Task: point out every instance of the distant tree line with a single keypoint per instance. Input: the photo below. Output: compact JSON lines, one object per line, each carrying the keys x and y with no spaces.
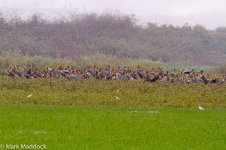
{"x":111,"y":34}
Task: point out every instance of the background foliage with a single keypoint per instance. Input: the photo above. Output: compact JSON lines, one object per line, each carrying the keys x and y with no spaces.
{"x":117,"y":35}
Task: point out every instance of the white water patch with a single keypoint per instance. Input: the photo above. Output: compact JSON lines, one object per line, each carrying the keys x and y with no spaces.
{"x":153,"y":112}
{"x":39,"y":132}
{"x":20,"y":131}
{"x":134,"y":111}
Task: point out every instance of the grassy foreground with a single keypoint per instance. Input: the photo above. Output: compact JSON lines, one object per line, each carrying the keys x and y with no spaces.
{"x":104,"y":93}
{"x":86,"y":114}
{"x":113,"y":128}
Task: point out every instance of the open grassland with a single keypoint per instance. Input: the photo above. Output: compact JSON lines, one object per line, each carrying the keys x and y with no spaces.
{"x":96,"y":114}
{"x":104,"y":93}
{"x":72,"y":127}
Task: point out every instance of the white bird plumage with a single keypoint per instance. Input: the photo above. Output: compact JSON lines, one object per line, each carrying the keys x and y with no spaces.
{"x":201,"y":108}
{"x":29,"y":95}
{"x":117,"y":97}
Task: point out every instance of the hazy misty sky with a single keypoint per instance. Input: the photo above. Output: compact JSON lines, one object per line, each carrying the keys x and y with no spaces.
{"x":210,"y":13}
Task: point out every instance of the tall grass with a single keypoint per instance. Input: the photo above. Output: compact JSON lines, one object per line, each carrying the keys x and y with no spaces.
{"x":103,"y":93}
{"x":221,"y":68}
{"x":8,"y":60}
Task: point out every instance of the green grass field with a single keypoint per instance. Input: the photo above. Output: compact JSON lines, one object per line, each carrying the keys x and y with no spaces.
{"x":103,"y":93}
{"x":61,"y":127}
{"x":86,"y":114}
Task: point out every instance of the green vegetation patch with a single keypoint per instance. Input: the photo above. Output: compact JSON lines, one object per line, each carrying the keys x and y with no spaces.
{"x":104,"y":93}
{"x":68,"y":127}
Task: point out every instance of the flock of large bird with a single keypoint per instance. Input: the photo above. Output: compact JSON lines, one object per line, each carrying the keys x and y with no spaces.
{"x":119,"y":73}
